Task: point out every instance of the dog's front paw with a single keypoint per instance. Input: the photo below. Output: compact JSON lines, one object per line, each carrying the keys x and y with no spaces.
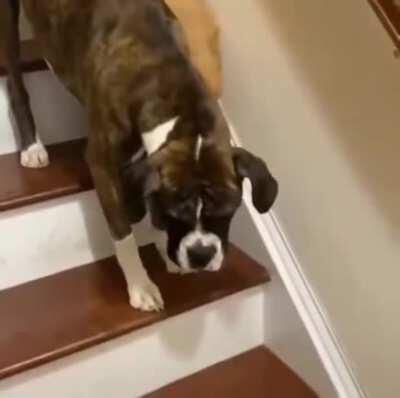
{"x":146,"y":296}
{"x":35,"y":156}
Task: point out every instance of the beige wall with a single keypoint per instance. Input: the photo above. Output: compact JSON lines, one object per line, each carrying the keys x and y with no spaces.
{"x":313,"y":87}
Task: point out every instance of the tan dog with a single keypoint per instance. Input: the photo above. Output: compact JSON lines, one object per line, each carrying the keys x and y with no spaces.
{"x":202,"y":35}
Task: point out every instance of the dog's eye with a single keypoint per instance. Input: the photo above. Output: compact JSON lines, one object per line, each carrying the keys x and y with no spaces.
{"x":220,"y":203}
{"x":221,"y":211}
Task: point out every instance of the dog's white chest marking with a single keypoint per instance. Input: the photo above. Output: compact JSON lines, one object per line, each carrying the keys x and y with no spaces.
{"x":154,"y":139}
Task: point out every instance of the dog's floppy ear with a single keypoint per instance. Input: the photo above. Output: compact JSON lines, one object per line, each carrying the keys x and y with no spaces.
{"x":264,"y":186}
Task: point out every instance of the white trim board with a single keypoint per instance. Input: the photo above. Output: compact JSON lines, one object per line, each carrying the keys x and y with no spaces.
{"x":303,"y":296}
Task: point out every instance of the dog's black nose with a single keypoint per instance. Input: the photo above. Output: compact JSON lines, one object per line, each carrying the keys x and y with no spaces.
{"x":200,"y":255}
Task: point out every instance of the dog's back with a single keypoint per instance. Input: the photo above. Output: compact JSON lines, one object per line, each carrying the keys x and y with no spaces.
{"x":82,"y":38}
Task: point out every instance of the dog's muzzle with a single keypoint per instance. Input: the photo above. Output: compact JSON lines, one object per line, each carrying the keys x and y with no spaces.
{"x":200,"y":251}
{"x":200,"y":255}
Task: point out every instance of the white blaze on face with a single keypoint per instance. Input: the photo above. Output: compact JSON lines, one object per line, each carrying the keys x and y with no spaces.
{"x":138,"y":155}
{"x":198,"y":212}
{"x":198,"y":236}
{"x":199,"y":144}
{"x":154,"y":139}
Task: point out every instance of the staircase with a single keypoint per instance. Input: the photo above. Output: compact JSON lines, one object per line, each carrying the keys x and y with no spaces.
{"x":67,"y":328}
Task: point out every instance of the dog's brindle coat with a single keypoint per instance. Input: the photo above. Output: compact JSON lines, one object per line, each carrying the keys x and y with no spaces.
{"x":127,"y":63}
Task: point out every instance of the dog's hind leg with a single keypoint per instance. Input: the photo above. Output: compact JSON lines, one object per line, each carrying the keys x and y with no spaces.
{"x":33,"y":153}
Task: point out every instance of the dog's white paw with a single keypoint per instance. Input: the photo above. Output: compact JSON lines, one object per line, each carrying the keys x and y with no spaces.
{"x":35,"y":156}
{"x":146,"y":296}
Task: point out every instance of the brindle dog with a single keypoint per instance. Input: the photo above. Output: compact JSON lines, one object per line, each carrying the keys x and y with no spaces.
{"x":157,"y":141}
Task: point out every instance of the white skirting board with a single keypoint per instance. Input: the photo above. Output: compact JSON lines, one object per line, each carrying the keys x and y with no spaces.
{"x":148,"y":359}
{"x":304,"y":300}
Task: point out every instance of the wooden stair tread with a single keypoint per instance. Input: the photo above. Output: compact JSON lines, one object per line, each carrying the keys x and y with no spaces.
{"x":63,"y":313}
{"x":389,"y":14}
{"x":254,"y":374}
{"x":31,"y":58}
{"x":67,"y":174}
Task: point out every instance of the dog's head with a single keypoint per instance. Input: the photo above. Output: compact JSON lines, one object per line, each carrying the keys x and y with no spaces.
{"x":193,"y":188}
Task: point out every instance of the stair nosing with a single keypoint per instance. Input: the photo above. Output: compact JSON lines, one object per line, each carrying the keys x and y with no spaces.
{"x":67,"y":174}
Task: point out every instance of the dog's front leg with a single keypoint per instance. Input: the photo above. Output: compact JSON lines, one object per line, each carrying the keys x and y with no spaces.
{"x":143,"y":293}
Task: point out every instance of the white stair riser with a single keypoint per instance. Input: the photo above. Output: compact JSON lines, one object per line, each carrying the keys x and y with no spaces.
{"x":44,"y":239}
{"x":59,"y":117}
{"x":152,"y":357}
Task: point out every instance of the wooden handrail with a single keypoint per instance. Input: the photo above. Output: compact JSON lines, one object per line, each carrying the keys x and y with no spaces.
{"x":388,"y":12}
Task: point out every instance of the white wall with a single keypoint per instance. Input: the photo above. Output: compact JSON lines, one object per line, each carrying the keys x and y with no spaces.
{"x":314,"y":88}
